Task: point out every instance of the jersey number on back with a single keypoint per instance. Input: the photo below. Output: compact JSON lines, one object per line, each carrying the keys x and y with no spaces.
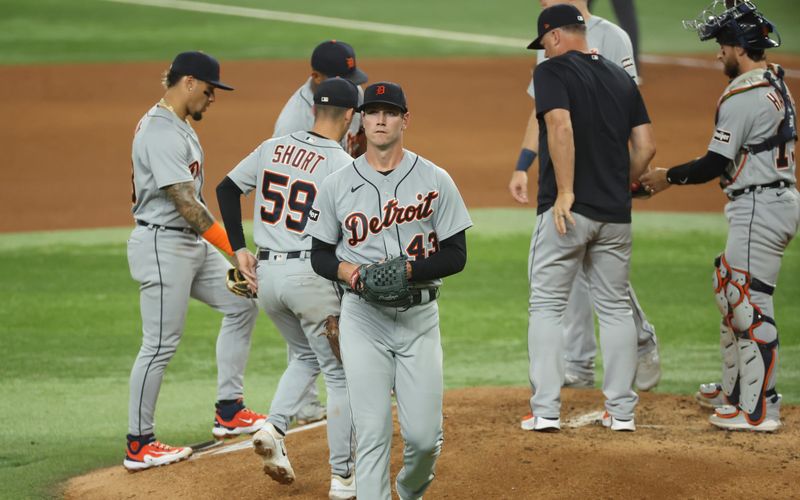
{"x":300,"y":198}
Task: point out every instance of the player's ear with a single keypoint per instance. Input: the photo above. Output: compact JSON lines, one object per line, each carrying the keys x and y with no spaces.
{"x":406,"y":118}
{"x":317,"y":77}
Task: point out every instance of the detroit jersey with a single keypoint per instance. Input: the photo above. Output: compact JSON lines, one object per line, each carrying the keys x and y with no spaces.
{"x":288,"y":172}
{"x":406,"y":212}
{"x":297,"y":114}
{"x":609,"y":40}
{"x":749,"y":112}
{"x":166,"y":151}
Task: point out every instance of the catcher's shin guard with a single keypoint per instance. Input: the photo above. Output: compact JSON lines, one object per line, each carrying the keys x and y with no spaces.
{"x":727,"y":340}
{"x":757,"y":342}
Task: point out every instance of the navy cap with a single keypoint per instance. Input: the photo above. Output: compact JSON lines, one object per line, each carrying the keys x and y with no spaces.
{"x":555,"y":17}
{"x":199,"y":65}
{"x":384,"y":93}
{"x":337,"y":92}
{"x":335,"y":58}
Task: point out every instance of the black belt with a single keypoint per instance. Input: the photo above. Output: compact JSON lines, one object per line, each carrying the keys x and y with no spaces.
{"x":749,"y":189}
{"x":264,"y":254}
{"x":186,"y":230}
{"x":418,"y":295}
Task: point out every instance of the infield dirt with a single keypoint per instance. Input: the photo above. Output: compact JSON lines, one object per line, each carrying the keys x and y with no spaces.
{"x":67,"y":146}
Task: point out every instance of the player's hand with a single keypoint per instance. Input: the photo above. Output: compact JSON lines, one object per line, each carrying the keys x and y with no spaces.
{"x":519,"y":186}
{"x":562,"y":212}
{"x":654,"y":180}
{"x":246,"y":263}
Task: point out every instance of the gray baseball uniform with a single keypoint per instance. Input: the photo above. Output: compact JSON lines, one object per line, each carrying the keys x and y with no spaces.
{"x":762,"y":221}
{"x":172,"y":263}
{"x":288,"y":172}
{"x":297,"y":114}
{"x":372,"y":217}
{"x":579,"y":341}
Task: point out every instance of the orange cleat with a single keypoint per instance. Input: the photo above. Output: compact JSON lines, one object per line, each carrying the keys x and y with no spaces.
{"x":245,"y":421}
{"x":153,"y":454}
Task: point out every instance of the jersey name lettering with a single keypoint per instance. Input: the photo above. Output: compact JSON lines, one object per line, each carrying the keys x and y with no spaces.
{"x":299,"y":158}
{"x":360,"y":226}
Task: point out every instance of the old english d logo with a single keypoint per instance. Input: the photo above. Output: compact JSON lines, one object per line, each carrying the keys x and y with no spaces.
{"x":546,"y":26}
{"x":351,"y":62}
{"x":380,"y":90}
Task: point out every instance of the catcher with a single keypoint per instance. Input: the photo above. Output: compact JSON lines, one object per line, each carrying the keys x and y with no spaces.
{"x":285,"y":173}
{"x":390,"y":225}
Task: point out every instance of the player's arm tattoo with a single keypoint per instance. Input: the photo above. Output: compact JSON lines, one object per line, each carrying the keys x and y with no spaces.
{"x":198,"y":216}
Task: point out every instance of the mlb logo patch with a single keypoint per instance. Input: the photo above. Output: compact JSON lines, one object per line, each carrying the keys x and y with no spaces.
{"x":324,"y":99}
{"x":722,"y":136}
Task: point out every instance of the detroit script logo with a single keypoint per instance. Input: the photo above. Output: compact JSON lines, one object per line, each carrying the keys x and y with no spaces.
{"x":360,"y":226}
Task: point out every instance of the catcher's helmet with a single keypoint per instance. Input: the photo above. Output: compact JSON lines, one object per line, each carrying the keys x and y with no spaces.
{"x":740,"y":25}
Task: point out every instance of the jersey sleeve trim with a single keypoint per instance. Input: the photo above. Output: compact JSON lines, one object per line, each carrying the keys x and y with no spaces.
{"x":734,"y":92}
{"x":458,"y":229}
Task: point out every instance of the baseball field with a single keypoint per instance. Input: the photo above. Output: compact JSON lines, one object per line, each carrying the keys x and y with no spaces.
{"x":76,"y":75}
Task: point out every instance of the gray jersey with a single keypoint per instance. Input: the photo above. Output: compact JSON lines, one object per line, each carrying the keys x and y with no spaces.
{"x":372,"y":217}
{"x":166,"y":151}
{"x":750,"y":111}
{"x":289,"y":171}
{"x":298,"y":115}
{"x":609,"y":40}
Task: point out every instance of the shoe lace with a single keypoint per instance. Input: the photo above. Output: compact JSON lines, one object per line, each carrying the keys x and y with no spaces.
{"x":161,"y":446}
{"x":249,"y":413}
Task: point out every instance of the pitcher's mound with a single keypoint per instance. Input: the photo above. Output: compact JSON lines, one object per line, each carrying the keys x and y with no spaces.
{"x":675,"y":453}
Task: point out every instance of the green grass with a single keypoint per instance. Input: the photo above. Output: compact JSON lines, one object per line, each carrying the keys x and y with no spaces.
{"x":71,"y":324}
{"x":65,"y":31}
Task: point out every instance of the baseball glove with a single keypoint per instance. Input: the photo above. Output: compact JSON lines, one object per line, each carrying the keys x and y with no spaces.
{"x":357,"y":144}
{"x":237,"y":284}
{"x":332,"y":333}
{"x":385,"y":283}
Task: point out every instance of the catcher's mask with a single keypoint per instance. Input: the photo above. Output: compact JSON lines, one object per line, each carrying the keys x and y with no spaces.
{"x":734,"y":23}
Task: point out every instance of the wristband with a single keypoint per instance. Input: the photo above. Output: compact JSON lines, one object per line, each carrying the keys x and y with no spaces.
{"x":525,"y":160}
{"x":217,"y":236}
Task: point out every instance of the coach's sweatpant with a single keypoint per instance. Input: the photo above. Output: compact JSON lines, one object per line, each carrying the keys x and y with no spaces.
{"x":603,"y":250}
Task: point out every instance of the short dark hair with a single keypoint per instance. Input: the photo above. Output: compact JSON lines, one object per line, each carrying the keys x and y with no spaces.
{"x":575,"y":28}
{"x":756,"y":54}
{"x":170,"y":78}
{"x":327,"y":111}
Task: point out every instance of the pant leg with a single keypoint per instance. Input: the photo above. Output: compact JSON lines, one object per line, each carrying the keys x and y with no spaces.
{"x":608,"y":263}
{"x":164,"y":263}
{"x":369,"y":368}
{"x":553,"y":263}
{"x":233,"y":341}
{"x":645,"y":331}
{"x":419,"y":388}
{"x":579,"y":343}
{"x":311,"y":299}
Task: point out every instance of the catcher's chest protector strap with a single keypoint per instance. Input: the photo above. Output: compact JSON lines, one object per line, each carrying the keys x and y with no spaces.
{"x":788,"y":128}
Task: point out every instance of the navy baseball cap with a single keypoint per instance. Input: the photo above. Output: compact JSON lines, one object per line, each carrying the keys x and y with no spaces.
{"x":337,"y":92}
{"x":199,"y":65}
{"x":335,"y":58}
{"x":555,"y":17}
{"x":384,"y":93}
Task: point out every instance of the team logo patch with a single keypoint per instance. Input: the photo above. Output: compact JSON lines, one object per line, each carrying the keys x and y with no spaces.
{"x":722,"y":136}
{"x":313,"y":214}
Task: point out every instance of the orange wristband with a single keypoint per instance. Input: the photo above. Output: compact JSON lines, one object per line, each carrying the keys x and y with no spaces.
{"x":217,"y":236}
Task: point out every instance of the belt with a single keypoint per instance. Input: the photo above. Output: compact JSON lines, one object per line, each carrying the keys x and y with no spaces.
{"x":186,"y":230}
{"x":418,"y":295}
{"x":271,"y":255}
{"x":749,"y":189}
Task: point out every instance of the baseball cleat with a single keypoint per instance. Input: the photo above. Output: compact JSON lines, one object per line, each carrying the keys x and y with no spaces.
{"x":269,"y":443}
{"x":342,"y":488}
{"x":540,"y":424}
{"x":731,"y":418}
{"x":245,"y":421}
{"x":576,"y":381}
{"x":140,"y":456}
{"x":616,"y":424}
{"x":310,"y":413}
{"x":648,"y":370}
{"x":710,"y":396}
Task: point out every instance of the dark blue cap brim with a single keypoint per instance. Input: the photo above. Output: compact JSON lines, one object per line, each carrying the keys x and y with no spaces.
{"x":357,"y":76}
{"x":390,"y":103}
{"x":221,"y":85}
